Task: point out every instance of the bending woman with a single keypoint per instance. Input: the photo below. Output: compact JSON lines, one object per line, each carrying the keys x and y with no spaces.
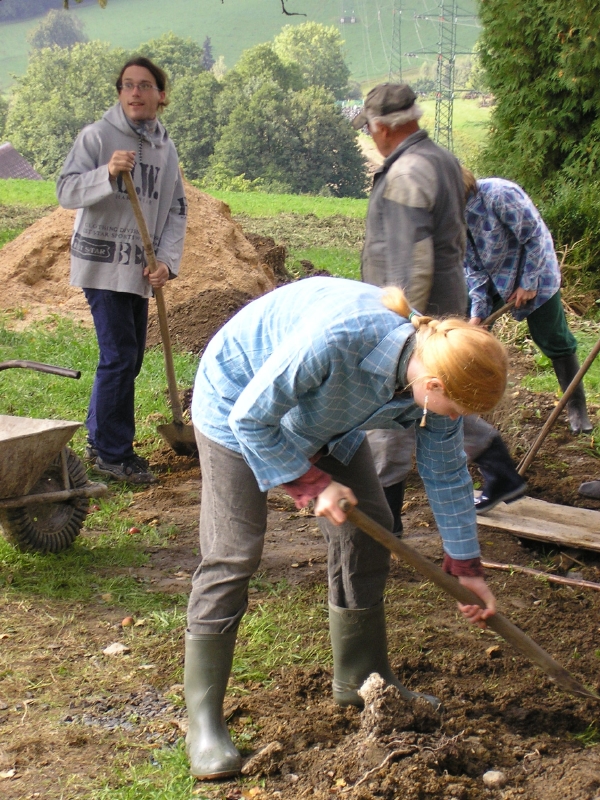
{"x":282,"y":396}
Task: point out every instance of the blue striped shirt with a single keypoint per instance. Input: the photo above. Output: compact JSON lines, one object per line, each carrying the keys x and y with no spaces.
{"x":312,"y":365}
{"x":514,"y":248}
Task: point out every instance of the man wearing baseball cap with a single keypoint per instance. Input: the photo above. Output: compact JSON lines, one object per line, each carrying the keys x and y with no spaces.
{"x":415,"y":239}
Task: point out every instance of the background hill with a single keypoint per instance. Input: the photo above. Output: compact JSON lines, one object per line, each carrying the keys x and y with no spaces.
{"x":236,"y":25}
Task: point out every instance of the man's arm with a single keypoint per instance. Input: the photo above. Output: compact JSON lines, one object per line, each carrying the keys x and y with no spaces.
{"x":411,"y":189}
{"x":83,"y":181}
{"x":170,"y":247}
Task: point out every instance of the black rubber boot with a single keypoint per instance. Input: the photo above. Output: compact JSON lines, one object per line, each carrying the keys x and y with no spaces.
{"x":501,"y":481}
{"x":394,"y":495}
{"x":208,"y":660}
{"x":566,"y":368}
{"x":359,"y":644}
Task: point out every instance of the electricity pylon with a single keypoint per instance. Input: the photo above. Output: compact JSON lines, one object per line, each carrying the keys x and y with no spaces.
{"x":395,"y":72}
{"x":444,"y":90}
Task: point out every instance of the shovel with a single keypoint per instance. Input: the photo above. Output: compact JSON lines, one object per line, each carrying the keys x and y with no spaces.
{"x":496,"y":622}
{"x":178,"y":434}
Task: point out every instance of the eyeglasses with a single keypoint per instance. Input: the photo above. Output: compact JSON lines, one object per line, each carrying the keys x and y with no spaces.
{"x":144,"y":86}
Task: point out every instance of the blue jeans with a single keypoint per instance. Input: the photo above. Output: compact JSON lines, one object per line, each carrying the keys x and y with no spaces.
{"x":121,"y":321}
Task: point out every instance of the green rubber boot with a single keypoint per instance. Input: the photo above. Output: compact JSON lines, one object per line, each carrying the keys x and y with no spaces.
{"x":359,"y":644}
{"x":208,"y":659}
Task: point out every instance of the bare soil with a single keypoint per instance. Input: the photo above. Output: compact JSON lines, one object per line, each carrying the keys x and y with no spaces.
{"x":500,"y":713}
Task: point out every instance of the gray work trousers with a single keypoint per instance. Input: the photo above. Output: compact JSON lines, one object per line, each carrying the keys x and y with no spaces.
{"x":233,"y":518}
{"x":393,"y":449}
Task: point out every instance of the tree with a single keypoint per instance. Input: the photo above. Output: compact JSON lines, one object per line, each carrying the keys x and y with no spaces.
{"x":318,"y":51}
{"x":57,"y":28}
{"x":190,"y":120}
{"x":258,"y":66}
{"x":543,"y":67}
{"x":3,"y":115}
{"x":177,"y":56}
{"x":52,"y":102}
{"x":294,"y":141}
{"x":208,"y":60}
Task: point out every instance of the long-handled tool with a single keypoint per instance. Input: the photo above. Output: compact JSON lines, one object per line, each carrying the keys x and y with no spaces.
{"x":497,"y":622}
{"x":177,"y":433}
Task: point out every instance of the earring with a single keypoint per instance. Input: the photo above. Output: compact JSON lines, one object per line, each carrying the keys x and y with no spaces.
{"x":424,"y":417}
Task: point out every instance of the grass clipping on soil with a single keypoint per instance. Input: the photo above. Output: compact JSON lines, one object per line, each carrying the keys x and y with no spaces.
{"x":217,"y":258}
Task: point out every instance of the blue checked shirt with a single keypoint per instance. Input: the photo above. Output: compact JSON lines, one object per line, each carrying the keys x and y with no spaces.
{"x":514,"y":248}
{"x":312,"y":365}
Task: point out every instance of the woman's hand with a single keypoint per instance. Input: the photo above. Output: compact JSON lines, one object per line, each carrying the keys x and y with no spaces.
{"x":327,"y":503}
{"x":476,"y":614}
{"x":522,"y":296}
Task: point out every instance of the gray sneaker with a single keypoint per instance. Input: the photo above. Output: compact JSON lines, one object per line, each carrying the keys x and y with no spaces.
{"x":132,"y":470}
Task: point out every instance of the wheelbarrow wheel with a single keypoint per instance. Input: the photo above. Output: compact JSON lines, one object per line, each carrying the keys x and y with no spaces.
{"x":49,"y":527}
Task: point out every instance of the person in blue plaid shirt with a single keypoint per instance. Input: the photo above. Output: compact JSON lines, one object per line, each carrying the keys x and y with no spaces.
{"x":283,"y":395}
{"x":510,"y":256}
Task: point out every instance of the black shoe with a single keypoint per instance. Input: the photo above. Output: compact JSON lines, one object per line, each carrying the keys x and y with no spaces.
{"x":90,"y":455}
{"x":502,"y":483}
{"x":132,"y":470}
{"x":485,"y":503}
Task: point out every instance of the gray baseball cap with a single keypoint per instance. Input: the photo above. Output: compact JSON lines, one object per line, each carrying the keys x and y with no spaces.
{"x":386,"y":98}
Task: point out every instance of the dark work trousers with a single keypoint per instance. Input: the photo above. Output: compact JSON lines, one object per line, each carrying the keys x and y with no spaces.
{"x":121,"y":320}
{"x":548,"y":328}
{"x":233,"y":520}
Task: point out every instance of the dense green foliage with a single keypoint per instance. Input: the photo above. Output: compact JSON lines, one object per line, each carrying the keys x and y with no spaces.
{"x":3,"y":116}
{"x":261,"y":126}
{"x":190,"y":120}
{"x":542,"y":63}
{"x":318,"y":51}
{"x":53,"y":101}
{"x":177,"y":56}
{"x":57,"y":28}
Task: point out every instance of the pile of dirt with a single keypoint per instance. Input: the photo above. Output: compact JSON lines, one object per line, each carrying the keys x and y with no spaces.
{"x":34,"y":267}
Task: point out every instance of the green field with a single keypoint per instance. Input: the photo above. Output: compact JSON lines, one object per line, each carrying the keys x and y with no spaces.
{"x":235,"y":25}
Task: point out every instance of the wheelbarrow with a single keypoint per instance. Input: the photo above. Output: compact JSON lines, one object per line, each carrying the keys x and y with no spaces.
{"x":44,"y":489}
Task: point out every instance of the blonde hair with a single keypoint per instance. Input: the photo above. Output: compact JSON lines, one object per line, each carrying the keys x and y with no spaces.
{"x":470,"y":362}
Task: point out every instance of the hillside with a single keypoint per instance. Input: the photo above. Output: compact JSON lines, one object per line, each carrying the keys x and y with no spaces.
{"x":235,"y":25}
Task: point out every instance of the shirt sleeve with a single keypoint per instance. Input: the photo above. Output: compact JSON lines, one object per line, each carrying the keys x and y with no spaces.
{"x":170,"y":246}
{"x":480,"y":288}
{"x":411,"y":188}
{"x":516,"y":211}
{"x":442,"y":465}
{"x":83,"y":181}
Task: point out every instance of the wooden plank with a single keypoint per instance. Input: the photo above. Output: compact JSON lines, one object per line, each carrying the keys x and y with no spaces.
{"x":546,"y":522}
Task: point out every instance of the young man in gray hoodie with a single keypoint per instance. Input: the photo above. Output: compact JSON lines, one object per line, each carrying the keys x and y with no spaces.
{"x":107,"y":254}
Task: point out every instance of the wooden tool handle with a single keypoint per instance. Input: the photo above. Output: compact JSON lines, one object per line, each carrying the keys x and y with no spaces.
{"x":160,"y":300}
{"x":496,"y":622}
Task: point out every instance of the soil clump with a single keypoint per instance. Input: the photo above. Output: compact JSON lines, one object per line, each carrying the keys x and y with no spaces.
{"x":34,"y":267}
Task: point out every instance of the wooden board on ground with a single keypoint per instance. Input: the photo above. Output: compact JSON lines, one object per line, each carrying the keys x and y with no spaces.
{"x":547,"y":522}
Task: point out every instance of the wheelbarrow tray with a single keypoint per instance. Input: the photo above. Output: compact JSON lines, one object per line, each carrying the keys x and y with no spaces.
{"x":27,"y":448}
